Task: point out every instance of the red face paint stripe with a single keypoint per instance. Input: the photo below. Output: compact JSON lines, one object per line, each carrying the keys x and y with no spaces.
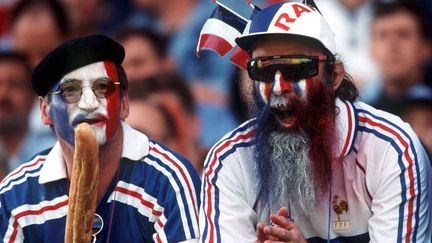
{"x":410,"y":171}
{"x":113,"y":102}
{"x":111,"y":70}
{"x":267,"y":91}
{"x":286,"y":86}
{"x":210,"y":172}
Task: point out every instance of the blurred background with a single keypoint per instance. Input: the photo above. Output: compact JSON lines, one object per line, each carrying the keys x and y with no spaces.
{"x":189,"y":103}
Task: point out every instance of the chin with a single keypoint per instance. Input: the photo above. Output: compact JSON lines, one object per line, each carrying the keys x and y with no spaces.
{"x":100,"y":135}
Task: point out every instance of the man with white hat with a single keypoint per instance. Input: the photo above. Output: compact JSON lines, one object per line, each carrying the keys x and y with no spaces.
{"x":314,"y":164}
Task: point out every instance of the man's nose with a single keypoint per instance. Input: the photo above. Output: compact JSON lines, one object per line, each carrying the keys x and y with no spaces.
{"x":280,"y":84}
{"x":88,"y":100}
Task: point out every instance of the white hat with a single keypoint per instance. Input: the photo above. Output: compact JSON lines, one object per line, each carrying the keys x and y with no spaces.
{"x":289,"y":18}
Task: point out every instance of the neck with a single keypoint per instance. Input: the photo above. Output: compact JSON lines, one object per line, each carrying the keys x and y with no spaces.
{"x":396,"y":86}
{"x":109,"y":160}
{"x":173,"y":14}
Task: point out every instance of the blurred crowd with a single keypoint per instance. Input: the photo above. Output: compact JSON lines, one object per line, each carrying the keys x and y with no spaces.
{"x":189,"y":103}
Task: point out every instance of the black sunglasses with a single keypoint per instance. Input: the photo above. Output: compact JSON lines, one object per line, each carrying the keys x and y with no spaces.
{"x":292,"y":67}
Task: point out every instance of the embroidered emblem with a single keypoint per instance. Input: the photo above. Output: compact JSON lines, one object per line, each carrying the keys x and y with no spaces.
{"x":339,"y":208}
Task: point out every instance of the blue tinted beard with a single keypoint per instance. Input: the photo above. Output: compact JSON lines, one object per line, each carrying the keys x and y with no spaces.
{"x":265,"y":125}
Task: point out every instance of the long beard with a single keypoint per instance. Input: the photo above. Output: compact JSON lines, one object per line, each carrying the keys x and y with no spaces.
{"x":292,"y":180}
{"x":294,"y":166}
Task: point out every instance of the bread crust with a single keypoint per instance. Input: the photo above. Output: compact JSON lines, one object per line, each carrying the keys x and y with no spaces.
{"x":83,"y":186}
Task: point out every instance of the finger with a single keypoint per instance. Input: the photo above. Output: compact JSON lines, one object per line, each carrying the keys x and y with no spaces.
{"x":284,"y":212}
{"x":280,"y":233}
{"x":281,"y":221}
{"x":260,"y":232}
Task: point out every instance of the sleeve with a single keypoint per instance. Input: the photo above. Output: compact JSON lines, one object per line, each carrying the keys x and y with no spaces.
{"x":4,"y":217}
{"x":179,"y":202}
{"x":10,"y":230}
{"x":226,"y":212}
{"x":401,"y":206}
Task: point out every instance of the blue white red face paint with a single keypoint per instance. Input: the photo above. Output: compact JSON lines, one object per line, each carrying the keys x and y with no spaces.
{"x":101,"y":113}
{"x":283,"y":97}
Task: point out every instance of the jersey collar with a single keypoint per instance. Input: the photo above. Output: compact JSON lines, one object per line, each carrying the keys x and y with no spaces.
{"x":346,"y":124}
{"x":135,"y":147}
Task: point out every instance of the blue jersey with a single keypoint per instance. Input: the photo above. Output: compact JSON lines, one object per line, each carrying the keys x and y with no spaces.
{"x":152,"y":198}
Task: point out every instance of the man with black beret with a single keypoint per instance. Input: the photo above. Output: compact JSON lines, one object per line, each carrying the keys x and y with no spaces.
{"x":145,"y":192}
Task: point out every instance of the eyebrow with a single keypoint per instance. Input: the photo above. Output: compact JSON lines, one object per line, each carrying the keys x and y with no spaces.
{"x":70,"y":80}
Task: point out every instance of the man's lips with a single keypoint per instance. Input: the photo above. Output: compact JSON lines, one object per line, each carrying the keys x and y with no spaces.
{"x":97,"y":120}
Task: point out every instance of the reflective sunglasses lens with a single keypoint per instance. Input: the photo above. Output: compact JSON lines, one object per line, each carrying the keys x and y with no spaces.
{"x":291,"y":68}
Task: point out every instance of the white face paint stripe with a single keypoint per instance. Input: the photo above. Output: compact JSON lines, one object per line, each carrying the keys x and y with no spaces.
{"x":261,"y":86}
{"x":277,"y":87}
{"x":302,"y":87}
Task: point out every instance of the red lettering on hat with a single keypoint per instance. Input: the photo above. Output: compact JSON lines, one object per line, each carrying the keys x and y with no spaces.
{"x":298,"y":9}
{"x":283,"y":19}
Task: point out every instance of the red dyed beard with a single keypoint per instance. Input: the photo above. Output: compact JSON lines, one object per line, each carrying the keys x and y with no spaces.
{"x":316,"y":119}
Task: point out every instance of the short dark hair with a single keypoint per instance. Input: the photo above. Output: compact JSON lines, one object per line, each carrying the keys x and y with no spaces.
{"x":156,"y":39}
{"x":347,"y":89}
{"x":171,"y":82}
{"x":17,"y":57}
{"x":384,"y":9}
{"x":54,"y":6}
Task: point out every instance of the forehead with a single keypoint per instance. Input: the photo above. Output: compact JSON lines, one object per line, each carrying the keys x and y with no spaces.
{"x":285,"y":46}
{"x":89,"y":72}
{"x":399,"y":19}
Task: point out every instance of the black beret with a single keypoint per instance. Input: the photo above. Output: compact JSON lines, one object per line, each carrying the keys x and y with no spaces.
{"x":72,"y":55}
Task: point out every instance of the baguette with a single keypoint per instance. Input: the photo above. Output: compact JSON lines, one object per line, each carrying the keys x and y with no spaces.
{"x":83,"y":186}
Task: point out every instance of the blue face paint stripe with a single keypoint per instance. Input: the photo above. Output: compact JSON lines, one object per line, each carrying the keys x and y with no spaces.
{"x":59,"y":113}
{"x":297,"y":89}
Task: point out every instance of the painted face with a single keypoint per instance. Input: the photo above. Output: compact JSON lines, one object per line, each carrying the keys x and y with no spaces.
{"x":102,"y":113}
{"x":288,"y":99}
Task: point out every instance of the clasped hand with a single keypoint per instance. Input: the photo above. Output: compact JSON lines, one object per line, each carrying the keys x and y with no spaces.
{"x":283,"y":230}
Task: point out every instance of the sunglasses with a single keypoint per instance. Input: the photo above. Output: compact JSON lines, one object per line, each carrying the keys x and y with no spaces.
{"x":291,"y":67}
{"x":73,"y":89}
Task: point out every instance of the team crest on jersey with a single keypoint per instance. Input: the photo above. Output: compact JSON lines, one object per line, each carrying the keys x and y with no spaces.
{"x":340,"y":207}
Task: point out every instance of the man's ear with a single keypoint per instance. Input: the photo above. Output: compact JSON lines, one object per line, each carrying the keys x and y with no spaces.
{"x":124,"y":106}
{"x":44,"y":108}
{"x":338,"y":74}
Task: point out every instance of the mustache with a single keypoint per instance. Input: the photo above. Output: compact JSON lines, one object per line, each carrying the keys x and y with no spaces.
{"x":88,"y":118}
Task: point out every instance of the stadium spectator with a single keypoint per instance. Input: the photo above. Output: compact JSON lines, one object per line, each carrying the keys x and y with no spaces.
{"x":417,"y":111}
{"x":350,"y":21}
{"x":208,"y":76}
{"x":145,"y":53}
{"x":82,"y":81}
{"x":172,"y":96}
{"x":16,"y":100}
{"x":401,"y":48}
{"x":37,"y":26}
{"x":314,"y":164}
